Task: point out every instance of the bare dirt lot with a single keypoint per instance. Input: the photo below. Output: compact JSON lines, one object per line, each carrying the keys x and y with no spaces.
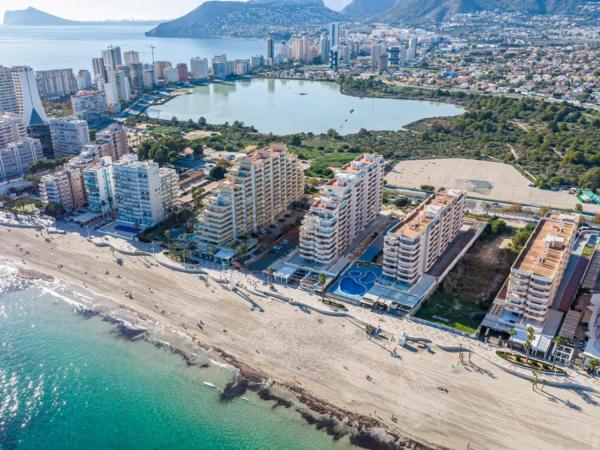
{"x":485,"y":179}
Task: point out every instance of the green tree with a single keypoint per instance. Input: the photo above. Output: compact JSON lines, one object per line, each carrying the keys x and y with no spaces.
{"x":217,"y":172}
{"x":322,"y":283}
{"x":529,"y":342}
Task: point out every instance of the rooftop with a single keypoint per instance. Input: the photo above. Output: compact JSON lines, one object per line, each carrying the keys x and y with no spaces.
{"x":547,"y":246}
{"x":419,"y":220}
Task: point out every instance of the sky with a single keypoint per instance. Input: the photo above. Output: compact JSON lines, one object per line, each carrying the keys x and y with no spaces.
{"x":118,"y":9}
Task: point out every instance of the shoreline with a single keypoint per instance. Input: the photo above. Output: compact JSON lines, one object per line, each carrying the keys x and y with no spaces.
{"x":362,"y":431}
{"x":316,"y":362}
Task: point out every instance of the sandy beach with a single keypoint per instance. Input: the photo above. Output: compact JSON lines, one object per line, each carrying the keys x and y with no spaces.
{"x":327,"y":358}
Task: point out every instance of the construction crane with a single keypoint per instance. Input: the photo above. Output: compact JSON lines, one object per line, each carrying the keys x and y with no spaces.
{"x":152,"y":48}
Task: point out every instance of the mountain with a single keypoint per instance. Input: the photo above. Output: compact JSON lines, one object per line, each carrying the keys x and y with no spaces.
{"x":368,"y":8}
{"x":32,"y":16}
{"x":421,"y":11}
{"x":254,"y":18}
{"x":35,"y":17}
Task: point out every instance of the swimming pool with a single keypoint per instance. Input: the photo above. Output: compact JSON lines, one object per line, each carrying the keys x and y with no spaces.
{"x":356,"y":281}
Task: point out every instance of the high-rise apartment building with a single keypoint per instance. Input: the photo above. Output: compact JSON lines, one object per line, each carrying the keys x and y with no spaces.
{"x":199,"y":68}
{"x":131,"y":57}
{"x":345,"y":207}
{"x":413,"y":246}
{"x":112,"y":58}
{"x":99,"y":188}
{"x":137,"y":76}
{"x":56,"y":84}
{"x":256,"y":191}
{"x":171,"y":75}
{"x":182,"y":71}
{"x":269,"y":50}
{"x":90,"y":106}
{"x":117,"y":88}
{"x":149,"y":78}
{"x":114,"y":141}
{"x":143,"y":192}
{"x":84,"y":80}
{"x":69,"y":135}
{"x":64,"y":187}
{"x":100,"y":75}
{"x":412,"y":48}
{"x":17,"y":151}
{"x":324,"y":48}
{"x":159,"y":69}
{"x":19,"y":94}
{"x":334,"y":35}
{"x":536,"y":274}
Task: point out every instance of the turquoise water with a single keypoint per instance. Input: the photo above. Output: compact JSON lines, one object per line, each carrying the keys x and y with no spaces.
{"x":293,"y":106}
{"x":74,"y":46}
{"x":67,"y":382}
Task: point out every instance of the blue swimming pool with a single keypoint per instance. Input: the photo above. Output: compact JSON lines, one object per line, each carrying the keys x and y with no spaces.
{"x":356,"y":281}
{"x":126,"y":229}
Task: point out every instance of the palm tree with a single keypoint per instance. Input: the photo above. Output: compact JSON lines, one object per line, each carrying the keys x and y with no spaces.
{"x":529,"y":341}
{"x":270,"y":272}
{"x":593,"y":365}
{"x":557,"y":341}
{"x":512,"y":334}
{"x":322,"y":283}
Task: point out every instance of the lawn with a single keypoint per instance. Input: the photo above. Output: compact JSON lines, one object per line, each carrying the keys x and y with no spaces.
{"x":588,"y":251}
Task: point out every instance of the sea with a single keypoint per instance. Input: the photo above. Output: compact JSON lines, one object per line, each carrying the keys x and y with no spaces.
{"x":69,"y":382}
{"x":45,"y":48}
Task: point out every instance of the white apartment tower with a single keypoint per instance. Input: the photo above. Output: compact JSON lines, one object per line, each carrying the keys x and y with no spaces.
{"x":199,"y":68}
{"x":258,"y":190}
{"x":344,"y":208}
{"x":413,"y":246}
{"x":54,"y":84}
{"x":17,"y":151}
{"x":536,"y":274}
{"x":19,"y":94}
{"x":143,"y":192}
{"x":69,"y":135}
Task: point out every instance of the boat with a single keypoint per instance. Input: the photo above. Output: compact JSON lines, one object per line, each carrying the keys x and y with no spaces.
{"x":302,"y":93}
{"x":351,"y":111}
{"x":209,"y":384}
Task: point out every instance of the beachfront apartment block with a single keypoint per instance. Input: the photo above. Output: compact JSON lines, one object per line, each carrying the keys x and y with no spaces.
{"x":69,"y":135}
{"x":536,"y":274}
{"x":17,"y":151}
{"x":99,"y":187}
{"x":413,"y":246}
{"x":143,"y":193}
{"x":255,"y":193}
{"x":65,"y":188}
{"x":345,"y":207}
{"x":19,"y":94}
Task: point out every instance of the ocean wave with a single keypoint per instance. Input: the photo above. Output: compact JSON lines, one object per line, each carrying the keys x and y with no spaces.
{"x":9,"y":279}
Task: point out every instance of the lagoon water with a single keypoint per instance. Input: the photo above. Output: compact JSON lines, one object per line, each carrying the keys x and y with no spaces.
{"x":294,"y":106}
{"x":68,"y":382}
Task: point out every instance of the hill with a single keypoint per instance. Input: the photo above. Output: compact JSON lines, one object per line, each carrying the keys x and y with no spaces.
{"x":248,"y":19}
{"x":32,"y":16}
{"x":35,"y":17}
{"x":419,"y":11}
{"x":368,"y":8}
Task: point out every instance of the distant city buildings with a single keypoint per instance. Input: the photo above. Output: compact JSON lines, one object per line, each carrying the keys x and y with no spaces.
{"x":415,"y":244}
{"x":345,"y":206}
{"x":69,"y":135}
{"x":84,"y":80}
{"x":257,"y":190}
{"x":199,"y":68}
{"x":269,"y":51}
{"x":17,"y":151}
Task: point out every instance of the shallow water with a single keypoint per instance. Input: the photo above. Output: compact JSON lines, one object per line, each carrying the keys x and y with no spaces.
{"x":68,"y":382}
{"x":294,"y":106}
